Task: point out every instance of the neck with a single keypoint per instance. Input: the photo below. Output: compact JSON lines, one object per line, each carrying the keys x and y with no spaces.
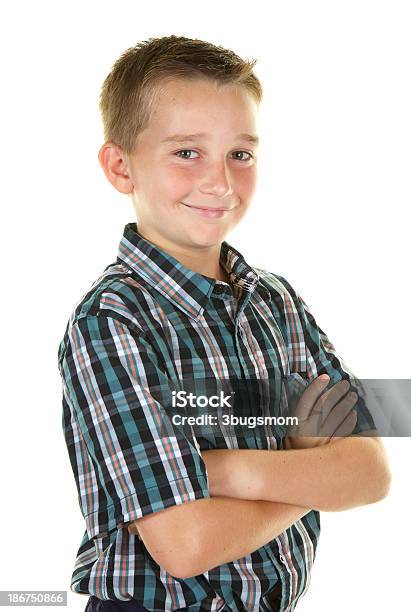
{"x":204,"y":260}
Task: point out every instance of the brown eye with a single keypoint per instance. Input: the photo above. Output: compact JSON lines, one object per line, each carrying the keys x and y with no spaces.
{"x":185,"y":151}
{"x":246,"y":152}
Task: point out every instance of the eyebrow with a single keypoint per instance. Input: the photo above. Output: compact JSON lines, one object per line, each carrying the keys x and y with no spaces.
{"x":253,"y":138}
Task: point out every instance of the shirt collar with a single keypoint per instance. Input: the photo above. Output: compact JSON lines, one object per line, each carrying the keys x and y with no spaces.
{"x":187,"y":289}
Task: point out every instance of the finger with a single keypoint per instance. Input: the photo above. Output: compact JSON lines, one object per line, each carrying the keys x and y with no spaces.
{"x":338,"y":413}
{"x":324,"y":406}
{"x":335,"y":393}
{"x":321,"y":441}
{"x":330,"y":398}
{"x":310,"y":396}
{"x":347,"y":426}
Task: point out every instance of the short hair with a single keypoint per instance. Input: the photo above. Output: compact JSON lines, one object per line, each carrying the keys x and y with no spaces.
{"x":129,"y":91}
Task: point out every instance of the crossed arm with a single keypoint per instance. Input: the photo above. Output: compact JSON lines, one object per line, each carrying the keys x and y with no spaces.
{"x":266,"y":492}
{"x":350,"y":472}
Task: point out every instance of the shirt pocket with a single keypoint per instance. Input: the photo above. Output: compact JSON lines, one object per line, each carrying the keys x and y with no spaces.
{"x":294,"y":381}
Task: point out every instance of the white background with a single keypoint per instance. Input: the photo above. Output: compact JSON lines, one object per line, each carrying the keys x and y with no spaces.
{"x":329,"y":215}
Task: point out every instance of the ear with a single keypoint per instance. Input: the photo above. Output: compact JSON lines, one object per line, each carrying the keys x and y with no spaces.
{"x":113,"y":160}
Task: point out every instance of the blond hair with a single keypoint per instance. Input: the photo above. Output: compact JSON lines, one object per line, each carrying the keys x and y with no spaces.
{"x":129,"y":91}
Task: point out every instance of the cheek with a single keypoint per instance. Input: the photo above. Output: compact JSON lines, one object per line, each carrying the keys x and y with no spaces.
{"x":176,"y":183}
{"x":246,"y":182}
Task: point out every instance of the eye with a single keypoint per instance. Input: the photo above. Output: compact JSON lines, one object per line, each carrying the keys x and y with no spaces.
{"x":183,"y":151}
{"x":250,"y":155}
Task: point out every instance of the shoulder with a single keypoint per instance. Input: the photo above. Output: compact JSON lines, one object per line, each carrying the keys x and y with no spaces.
{"x":116,"y":295}
{"x":277,"y":285}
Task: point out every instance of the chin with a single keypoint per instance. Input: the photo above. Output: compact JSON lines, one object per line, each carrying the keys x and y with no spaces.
{"x":207,"y":236}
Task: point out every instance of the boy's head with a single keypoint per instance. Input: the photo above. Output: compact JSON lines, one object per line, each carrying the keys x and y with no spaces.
{"x":173,"y":86}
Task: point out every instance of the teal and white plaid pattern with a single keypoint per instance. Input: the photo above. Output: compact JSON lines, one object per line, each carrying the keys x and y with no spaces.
{"x":146,"y":325}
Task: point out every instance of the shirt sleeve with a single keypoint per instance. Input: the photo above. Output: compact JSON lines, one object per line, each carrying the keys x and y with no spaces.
{"x":322,"y":358}
{"x":128,"y":457}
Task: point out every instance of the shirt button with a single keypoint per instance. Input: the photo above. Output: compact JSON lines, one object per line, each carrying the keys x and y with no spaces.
{"x":282,"y":559}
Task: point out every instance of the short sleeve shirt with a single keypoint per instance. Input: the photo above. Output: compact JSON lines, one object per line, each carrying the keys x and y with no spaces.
{"x":145,"y":327}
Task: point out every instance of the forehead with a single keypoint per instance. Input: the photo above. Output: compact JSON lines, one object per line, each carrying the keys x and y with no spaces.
{"x":197,"y":105}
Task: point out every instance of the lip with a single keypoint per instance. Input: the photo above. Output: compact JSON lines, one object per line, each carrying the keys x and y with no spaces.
{"x":209,"y":213}
{"x":204,"y":208}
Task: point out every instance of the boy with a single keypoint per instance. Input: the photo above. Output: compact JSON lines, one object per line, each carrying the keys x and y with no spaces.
{"x":181,"y":517}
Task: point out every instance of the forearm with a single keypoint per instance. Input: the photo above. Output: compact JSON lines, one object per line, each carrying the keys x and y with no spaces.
{"x":232,"y":528}
{"x":333,"y":477}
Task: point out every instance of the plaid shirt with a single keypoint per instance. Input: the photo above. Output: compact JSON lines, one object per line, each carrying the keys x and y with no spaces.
{"x":147,"y":324}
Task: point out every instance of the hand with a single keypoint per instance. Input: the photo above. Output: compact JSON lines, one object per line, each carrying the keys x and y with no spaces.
{"x":322,"y":418}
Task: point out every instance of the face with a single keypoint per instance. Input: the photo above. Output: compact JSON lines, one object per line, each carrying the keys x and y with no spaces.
{"x":194,"y":170}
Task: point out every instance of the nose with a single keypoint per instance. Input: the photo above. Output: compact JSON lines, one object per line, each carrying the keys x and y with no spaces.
{"x":217,"y":180}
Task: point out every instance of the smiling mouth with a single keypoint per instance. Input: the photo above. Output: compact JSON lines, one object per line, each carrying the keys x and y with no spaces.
{"x":206,"y":209}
